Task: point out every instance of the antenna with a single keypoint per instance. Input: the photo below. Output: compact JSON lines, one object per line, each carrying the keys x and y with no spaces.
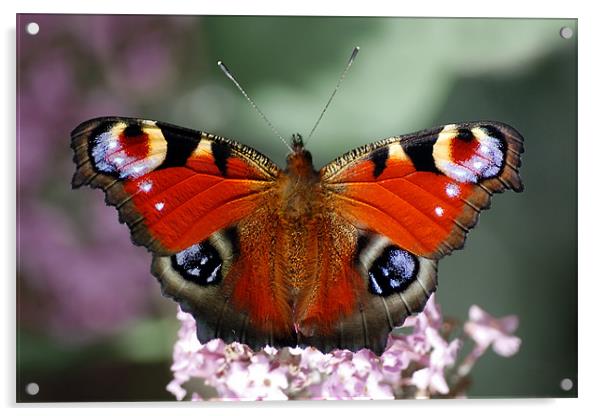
{"x":341,"y":78}
{"x":229,"y":75}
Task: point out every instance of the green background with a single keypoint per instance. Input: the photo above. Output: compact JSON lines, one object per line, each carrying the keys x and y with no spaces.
{"x":411,"y":73}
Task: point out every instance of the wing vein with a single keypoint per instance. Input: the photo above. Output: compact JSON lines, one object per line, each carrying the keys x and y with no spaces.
{"x":380,"y":210}
{"x":405,"y":304}
{"x":254,"y":194}
{"x":194,"y":197}
{"x":416,"y":208}
{"x":387,"y":313}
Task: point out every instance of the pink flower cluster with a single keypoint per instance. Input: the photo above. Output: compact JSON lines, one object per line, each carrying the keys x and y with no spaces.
{"x":420,"y":364}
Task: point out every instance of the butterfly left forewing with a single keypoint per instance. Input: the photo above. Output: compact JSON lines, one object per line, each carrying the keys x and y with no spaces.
{"x":172,"y":186}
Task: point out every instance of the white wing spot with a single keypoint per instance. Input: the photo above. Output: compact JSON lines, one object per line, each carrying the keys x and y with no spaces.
{"x":452,"y":190}
{"x":159,"y":206}
{"x":146,"y":186}
{"x":439,"y":211}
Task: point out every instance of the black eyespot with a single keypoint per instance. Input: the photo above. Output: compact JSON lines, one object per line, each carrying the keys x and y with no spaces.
{"x":465,"y":135}
{"x":133,"y":130}
{"x":392,"y":271}
{"x":200,"y":264}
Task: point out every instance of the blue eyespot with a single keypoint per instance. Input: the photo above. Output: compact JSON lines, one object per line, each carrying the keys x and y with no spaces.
{"x":200,"y":264}
{"x":392,"y":271}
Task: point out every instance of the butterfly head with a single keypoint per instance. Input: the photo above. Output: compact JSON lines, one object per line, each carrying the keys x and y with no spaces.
{"x":299,"y":162}
{"x":297,"y":142}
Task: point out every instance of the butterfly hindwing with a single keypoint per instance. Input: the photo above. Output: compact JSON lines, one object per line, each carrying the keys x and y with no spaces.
{"x":394,"y":284}
{"x":228,"y":291}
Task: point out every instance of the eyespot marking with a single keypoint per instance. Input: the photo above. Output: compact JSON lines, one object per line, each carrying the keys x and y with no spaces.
{"x":125,"y":150}
{"x":392,"y":272}
{"x":199,"y":263}
{"x":469,"y":155}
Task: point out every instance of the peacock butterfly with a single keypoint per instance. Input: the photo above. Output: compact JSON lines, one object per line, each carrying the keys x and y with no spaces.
{"x":334,"y":258}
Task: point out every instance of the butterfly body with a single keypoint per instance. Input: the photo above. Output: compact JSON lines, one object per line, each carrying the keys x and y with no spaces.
{"x":334,"y":258}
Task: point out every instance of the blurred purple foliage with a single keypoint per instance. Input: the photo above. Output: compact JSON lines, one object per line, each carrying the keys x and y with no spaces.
{"x":79,"y":274}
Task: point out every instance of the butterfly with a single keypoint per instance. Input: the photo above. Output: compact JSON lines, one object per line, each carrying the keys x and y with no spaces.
{"x":331,"y":258}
